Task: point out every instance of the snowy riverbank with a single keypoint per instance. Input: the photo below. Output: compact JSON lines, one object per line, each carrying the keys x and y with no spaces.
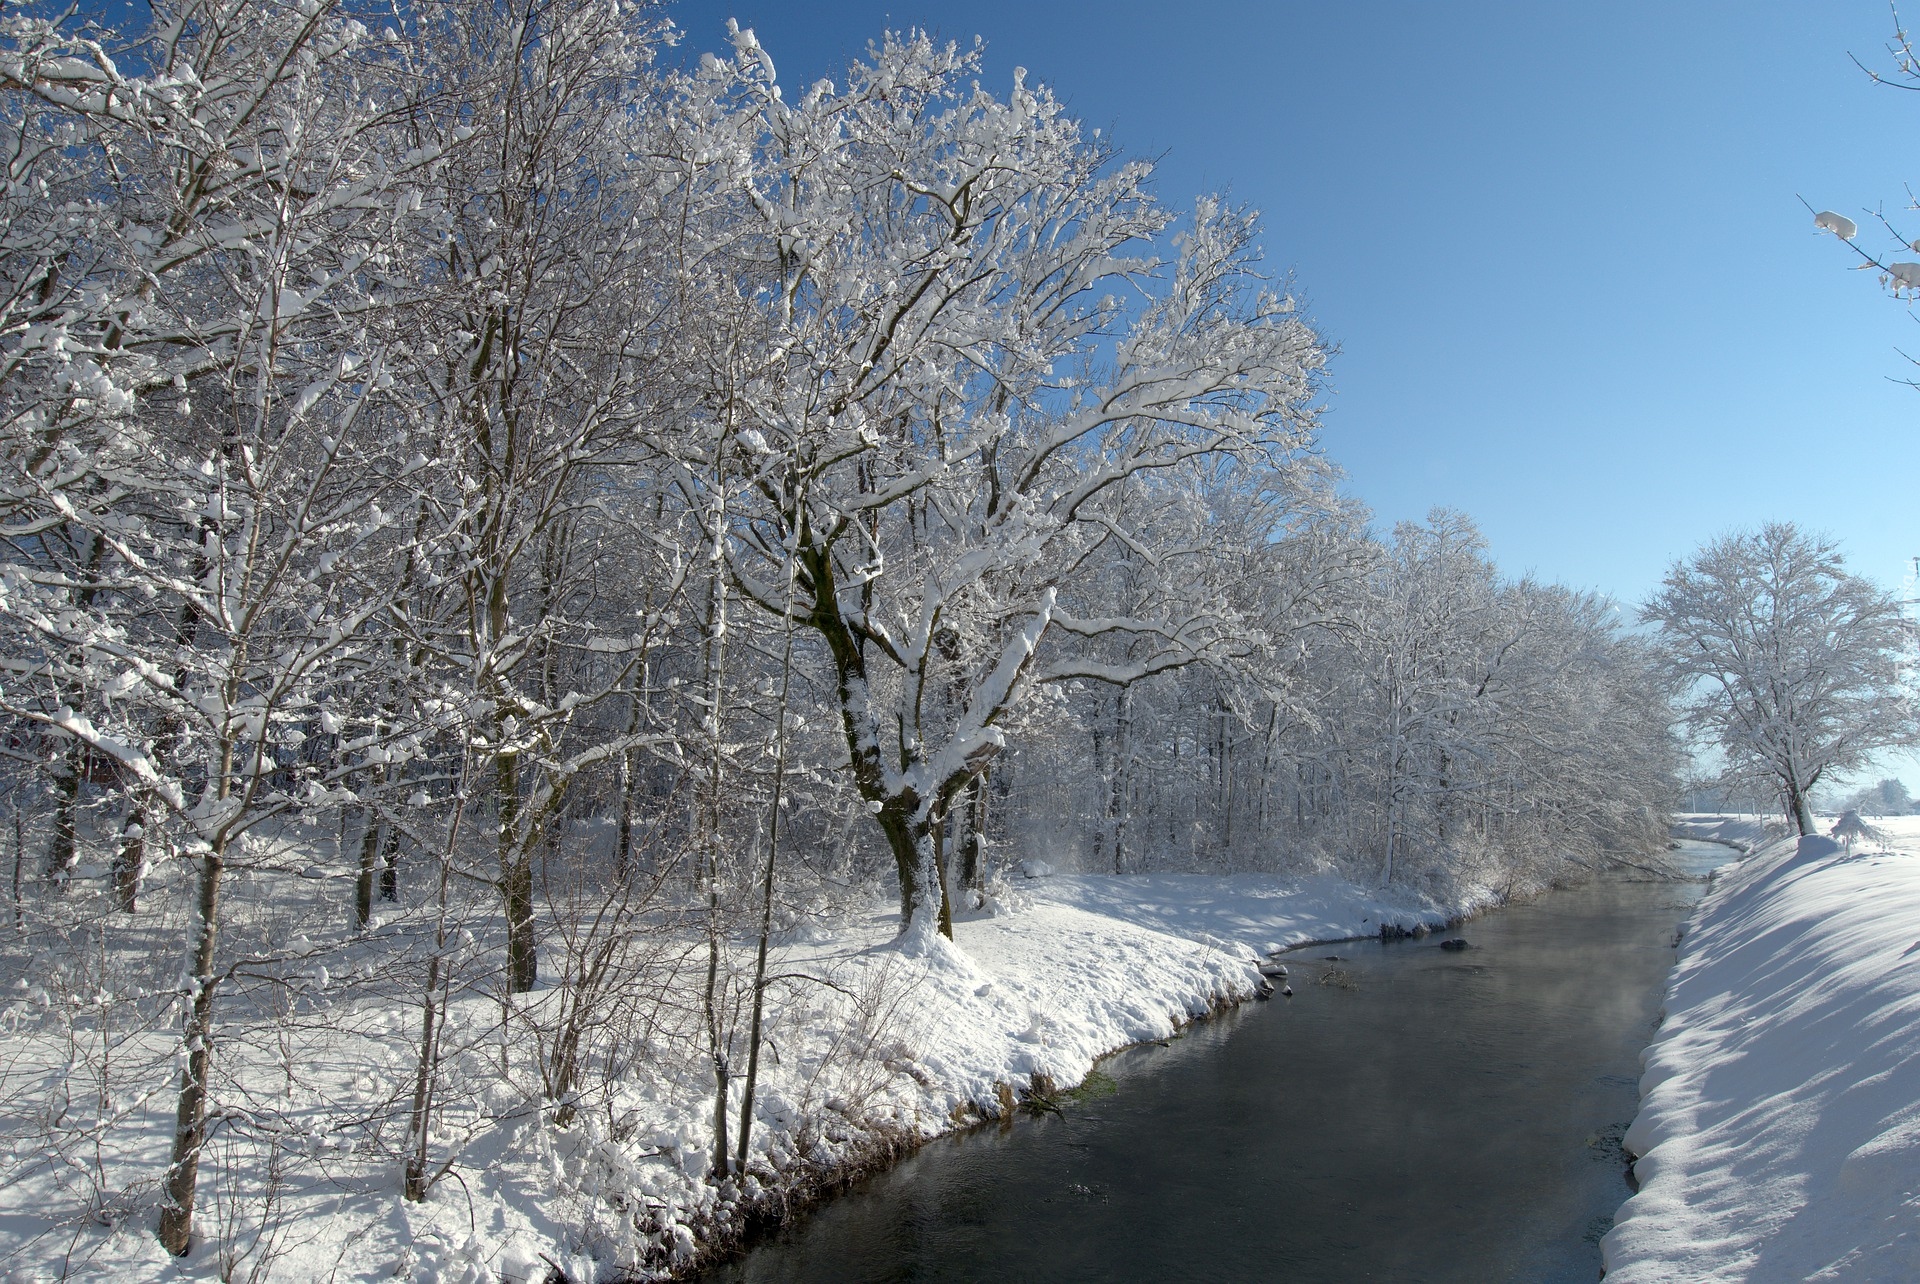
{"x":1779,"y":1127}
{"x":870,"y":1048}
{"x":1744,"y":832}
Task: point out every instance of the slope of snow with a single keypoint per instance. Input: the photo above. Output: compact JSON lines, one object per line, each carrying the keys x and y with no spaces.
{"x":1779,"y":1129}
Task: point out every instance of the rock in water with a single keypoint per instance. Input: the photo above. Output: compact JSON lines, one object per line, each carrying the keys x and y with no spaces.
{"x":1454,"y":943}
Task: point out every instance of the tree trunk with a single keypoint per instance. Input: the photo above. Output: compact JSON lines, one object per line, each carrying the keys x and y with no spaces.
{"x":1102,"y":763}
{"x":63,"y":848}
{"x":190,"y":1117}
{"x":716,"y":1037}
{"x":774,"y":806}
{"x":523,"y":959}
{"x":1802,"y":811}
{"x":936,"y":834}
{"x":390,"y":865}
{"x":363,"y":885}
{"x":911,"y":842}
{"x":718,"y":1042}
{"x":516,"y":877}
{"x":906,"y":860}
{"x":416,"y":1184}
{"x":623,"y":843}
{"x":416,"y":1181}
{"x":19,"y":859}
{"x":130,"y":858}
{"x":973,"y":845}
{"x":1226,"y":783}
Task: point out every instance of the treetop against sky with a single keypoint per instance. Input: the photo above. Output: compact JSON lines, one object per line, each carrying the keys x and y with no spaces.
{"x":1562,"y":248}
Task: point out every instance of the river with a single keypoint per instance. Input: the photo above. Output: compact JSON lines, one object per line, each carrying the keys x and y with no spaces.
{"x":1411,"y":1114}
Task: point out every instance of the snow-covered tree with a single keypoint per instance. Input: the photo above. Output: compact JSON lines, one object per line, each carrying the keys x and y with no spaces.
{"x":965,"y":358}
{"x":1404,"y":700}
{"x":1785,"y":662}
{"x":1887,"y":797}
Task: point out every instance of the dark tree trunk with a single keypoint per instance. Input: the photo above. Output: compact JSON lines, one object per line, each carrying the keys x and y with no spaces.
{"x":523,"y":960}
{"x":130,"y":859}
{"x":907,"y":837}
{"x":1117,"y":776}
{"x":1801,"y":809}
{"x":936,"y":833}
{"x":19,"y":859}
{"x":390,"y":866}
{"x":363,"y":884}
{"x":63,"y":849}
{"x":415,"y":1184}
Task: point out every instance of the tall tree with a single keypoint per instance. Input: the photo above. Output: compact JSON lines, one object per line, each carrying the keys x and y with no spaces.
{"x":950,"y":397}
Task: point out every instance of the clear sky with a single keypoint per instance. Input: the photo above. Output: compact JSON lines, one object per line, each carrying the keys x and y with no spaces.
{"x":1560,"y":246}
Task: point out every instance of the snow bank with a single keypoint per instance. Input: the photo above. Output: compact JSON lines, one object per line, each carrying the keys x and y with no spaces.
{"x":1050,"y":990}
{"x":1779,"y":1128}
{"x":1745,"y":832}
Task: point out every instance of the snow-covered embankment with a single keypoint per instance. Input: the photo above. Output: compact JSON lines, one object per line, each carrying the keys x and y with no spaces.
{"x":1086,"y":965}
{"x":1098,"y":962}
{"x":1744,"y":832}
{"x":1779,"y":1127}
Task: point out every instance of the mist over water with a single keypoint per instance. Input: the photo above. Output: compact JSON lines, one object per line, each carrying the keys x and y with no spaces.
{"x":1411,"y":1114}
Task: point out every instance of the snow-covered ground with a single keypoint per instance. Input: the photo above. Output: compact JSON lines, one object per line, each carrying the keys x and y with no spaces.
{"x":870,"y":1047}
{"x":1256,"y":912}
{"x":1745,"y":831}
{"x":1779,"y":1128}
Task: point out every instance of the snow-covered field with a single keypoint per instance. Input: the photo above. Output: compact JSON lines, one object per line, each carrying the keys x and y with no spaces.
{"x":1779,"y":1127}
{"x":870,"y":1047}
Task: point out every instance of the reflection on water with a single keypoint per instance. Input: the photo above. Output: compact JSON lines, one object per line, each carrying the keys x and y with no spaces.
{"x":1429,"y":1116}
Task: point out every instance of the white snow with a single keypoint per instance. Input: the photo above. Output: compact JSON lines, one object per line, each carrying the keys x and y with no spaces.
{"x":1250,"y":913}
{"x":1779,"y":1129}
{"x":1903,"y":276}
{"x":1839,"y":224}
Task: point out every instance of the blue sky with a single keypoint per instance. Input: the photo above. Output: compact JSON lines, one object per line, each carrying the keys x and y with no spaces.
{"x":1561,"y":247}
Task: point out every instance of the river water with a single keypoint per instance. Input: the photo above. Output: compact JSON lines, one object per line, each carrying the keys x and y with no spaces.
{"x":1411,"y":1114}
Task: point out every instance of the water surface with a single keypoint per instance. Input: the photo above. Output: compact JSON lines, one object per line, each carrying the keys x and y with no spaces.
{"x":1411,"y":1114}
